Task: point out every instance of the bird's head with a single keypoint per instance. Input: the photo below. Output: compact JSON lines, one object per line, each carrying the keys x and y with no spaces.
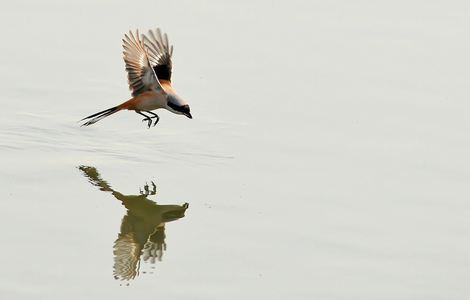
{"x":178,"y":106}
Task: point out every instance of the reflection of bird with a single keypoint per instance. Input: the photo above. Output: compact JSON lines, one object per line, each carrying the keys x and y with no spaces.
{"x":142,"y":228}
{"x":149,"y":68}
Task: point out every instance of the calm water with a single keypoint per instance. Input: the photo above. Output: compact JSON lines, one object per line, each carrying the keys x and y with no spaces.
{"x":327,"y":157}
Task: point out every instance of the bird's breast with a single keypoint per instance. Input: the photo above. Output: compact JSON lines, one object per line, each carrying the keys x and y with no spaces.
{"x":150,"y":101}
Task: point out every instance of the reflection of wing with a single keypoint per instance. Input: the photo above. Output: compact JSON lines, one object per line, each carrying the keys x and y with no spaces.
{"x":153,"y":251}
{"x":155,"y":245}
{"x":159,"y":52}
{"x":126,"y":257}
{"x":140,"y":73}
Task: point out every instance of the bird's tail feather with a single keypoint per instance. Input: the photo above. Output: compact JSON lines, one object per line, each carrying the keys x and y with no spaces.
{"x":100,"y":115}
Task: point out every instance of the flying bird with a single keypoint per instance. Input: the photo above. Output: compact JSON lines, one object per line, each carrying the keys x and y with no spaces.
{"x":149,"y":68}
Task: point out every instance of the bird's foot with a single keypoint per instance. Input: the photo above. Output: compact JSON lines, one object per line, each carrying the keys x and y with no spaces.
{"x":149,"y":121}
{"x":156,"y":121}
{"x":147,"y":191}
{"x":154,"y":188}
{"x":157,"y":118}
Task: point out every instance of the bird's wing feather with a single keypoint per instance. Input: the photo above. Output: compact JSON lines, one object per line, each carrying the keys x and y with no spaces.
{"x":140,"y":73}
{"x":126,"y":256}
{"x":159,"y":53}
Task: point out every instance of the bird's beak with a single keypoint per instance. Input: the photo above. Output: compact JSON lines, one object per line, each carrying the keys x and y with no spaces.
{"x":188,"y":114}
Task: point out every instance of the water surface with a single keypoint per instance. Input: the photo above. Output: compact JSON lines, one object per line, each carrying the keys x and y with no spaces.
{"x":327,"y":157}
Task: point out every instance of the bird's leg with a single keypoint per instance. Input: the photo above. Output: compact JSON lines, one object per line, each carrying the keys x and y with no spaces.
{"x":147,"y":190}
{"x":154,"y":115}
{"x":154,"y":189}
{"x":147,"y":118}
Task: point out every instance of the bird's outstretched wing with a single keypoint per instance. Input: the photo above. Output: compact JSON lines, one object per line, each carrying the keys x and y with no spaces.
{"x":140,"y":73}
{"x":126,"y":256}
{"x":159,"y":52}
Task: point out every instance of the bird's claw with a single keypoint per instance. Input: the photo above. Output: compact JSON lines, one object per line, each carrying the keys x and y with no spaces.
{"x":148,"y":191}
{"x":149,"y":118}
{"x":154,"y":188}
{"x":149,"y":122}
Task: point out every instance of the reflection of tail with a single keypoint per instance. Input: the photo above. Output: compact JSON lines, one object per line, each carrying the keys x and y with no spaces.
{"x":100,"y":115}
{"x":95,"y":178}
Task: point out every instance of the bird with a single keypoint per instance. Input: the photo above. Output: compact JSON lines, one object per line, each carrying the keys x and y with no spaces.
{"x":148,"y":60}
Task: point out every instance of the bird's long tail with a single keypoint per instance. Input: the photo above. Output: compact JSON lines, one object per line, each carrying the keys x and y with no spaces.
{"x":100,"y":115}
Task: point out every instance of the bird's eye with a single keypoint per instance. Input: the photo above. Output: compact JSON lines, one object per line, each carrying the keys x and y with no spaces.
{"x":172,"y":105}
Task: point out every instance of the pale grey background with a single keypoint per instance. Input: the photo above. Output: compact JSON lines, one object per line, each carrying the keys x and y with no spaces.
{"x":327,"y":157}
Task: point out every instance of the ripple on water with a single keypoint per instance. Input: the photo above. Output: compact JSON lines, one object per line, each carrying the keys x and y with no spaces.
{"x":37,"y":133}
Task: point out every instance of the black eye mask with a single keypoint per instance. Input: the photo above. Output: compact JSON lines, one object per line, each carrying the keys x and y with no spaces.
{"x":182,"y":109}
